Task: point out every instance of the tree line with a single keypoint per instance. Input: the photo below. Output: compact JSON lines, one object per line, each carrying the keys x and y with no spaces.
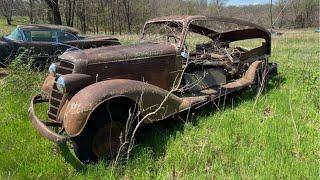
{"x":127,"y":16}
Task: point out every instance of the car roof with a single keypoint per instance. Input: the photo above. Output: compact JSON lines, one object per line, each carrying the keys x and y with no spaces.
{"x":182,"y":18}
{"x":43,"y":27}
{"x":185,"y":19}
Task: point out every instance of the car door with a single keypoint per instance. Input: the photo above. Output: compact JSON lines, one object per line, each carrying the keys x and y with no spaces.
{"x":40,"y":44}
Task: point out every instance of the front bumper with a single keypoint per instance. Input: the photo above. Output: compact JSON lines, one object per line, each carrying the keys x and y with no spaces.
{"x":43,"y":126}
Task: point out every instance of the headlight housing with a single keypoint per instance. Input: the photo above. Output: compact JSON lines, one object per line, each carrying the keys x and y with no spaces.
{"x":72,"y":82}
{"x":53,"y":69}
{"x":61,"y":85}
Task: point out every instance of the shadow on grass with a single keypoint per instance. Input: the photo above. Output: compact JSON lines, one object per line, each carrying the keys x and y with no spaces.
{"x":155,"y":136}
{"x":3,"y":75}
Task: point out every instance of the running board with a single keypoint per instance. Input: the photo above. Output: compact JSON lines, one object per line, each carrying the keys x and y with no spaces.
{"x":226,"y":89}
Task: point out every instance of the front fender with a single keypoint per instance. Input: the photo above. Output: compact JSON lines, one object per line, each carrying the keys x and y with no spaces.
{"x":147,"y":96}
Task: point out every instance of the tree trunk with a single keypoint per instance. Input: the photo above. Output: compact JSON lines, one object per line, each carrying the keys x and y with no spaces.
{"x":81,"y":13}
{"x":72,"y":12}
{"x":54,"y":7}
{"x":112,"y":17}
{"x":68,"y":12}
{"x":9,"y":20}
{"x":126,"y":5}
{"x":31,"y":11}
{"x":119,"y":19}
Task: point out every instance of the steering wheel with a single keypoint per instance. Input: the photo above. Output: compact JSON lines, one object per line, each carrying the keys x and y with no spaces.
{"x":185,"y":47}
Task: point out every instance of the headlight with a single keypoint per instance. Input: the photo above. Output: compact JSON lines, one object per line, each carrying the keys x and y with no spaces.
{"x":61,"y":85}
{"x":71,"y":82}
{"x":52,"y":69}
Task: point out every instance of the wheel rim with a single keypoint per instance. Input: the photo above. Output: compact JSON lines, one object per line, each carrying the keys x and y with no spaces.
{"x":106,"y":141}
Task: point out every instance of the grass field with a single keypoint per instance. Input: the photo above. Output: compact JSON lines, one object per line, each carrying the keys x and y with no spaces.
{"x":277,"y":136}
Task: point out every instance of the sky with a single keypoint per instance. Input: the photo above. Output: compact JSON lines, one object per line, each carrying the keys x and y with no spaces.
{"x":247,"y":2}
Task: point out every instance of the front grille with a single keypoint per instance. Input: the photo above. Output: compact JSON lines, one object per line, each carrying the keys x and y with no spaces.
{"x":55,"y":103}
{"x":65,"y":68}
{"x":57,"y":98}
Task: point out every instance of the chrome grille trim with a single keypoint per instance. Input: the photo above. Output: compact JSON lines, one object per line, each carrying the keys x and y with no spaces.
{"x":55,"y":103}
{"x":64,"y":67}
{"x":57,"y":98}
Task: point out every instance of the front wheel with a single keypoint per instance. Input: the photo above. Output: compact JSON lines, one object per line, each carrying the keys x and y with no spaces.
{"x":104,"y":143}
{"x":106,"y":133}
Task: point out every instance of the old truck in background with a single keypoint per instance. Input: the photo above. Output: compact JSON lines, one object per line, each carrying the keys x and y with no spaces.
{"x":180,"y":62}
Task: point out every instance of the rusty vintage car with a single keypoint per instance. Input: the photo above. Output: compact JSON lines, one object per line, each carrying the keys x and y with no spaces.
{"x":44,"y":43}
{"x":179,"y":63}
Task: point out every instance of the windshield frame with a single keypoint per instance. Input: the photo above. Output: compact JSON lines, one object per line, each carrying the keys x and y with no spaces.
{"x":178,"y":44}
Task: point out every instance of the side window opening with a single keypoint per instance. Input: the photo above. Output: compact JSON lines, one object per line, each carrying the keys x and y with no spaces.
{"x":43,"y":36}
{"x":65,"y":36}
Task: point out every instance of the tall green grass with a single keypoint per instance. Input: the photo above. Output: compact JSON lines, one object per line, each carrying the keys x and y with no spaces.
{"x":275,"y":136}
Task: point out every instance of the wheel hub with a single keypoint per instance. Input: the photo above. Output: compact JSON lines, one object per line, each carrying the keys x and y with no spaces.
{"x":106,"y":141}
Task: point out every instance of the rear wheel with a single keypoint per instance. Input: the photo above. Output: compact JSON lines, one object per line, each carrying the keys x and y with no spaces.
{"x":104,"y":133}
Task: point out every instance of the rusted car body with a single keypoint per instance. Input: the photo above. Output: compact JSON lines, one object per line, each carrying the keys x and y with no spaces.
{"x":44,"y":43}
{"x":92,"y":92}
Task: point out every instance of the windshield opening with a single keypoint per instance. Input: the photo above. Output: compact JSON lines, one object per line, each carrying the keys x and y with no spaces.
{"x":163,"y":32}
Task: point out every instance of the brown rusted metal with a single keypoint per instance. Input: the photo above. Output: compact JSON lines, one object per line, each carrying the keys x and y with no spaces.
{"x":255,"y":31}
{"x":40,"y":126}
{"x":48,"y":85}
{"x":80,"y":107}
{"x":150,"y":74}
{"x":74,"y":82}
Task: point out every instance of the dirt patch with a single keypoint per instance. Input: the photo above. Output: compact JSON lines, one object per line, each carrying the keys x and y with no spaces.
{"x":3,"y":74}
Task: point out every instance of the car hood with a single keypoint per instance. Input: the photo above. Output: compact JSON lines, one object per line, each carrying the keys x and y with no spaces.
{"x":118,"y":53}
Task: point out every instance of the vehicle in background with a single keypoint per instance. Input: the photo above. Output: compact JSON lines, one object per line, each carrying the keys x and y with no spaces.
{"x":44,"y":43}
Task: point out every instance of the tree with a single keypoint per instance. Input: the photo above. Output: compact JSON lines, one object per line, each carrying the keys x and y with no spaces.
{"x":69,"y":12}
{"x":81,"y":13}
{"x":54,"y":8}
{"x":6,"y":9}
{"x":127,"y":12}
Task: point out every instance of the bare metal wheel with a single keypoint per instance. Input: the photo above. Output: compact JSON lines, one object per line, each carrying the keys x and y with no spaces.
{"x":104,"y":132}
{"x":106,"y":142}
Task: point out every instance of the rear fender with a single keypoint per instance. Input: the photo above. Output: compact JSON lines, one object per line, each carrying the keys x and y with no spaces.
{"x":147,"y":96}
